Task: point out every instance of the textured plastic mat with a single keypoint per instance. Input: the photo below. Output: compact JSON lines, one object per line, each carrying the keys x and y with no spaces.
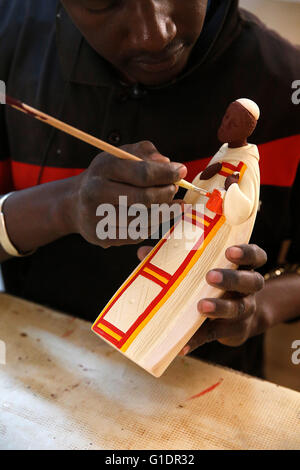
{"x":63,"y":388}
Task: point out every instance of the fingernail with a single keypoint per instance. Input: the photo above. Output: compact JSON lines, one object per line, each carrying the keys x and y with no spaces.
{"x":185,"y":351}
{"x":215,"y":277}
{"x":235,"y":252}
{"x":181,"y":169}
{"x":206,"y":307}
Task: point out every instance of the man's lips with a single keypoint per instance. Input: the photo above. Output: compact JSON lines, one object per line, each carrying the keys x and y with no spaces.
{"x":159,"y":63}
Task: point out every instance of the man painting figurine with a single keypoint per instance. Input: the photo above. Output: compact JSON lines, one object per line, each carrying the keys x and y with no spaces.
{"x":153,"y":77}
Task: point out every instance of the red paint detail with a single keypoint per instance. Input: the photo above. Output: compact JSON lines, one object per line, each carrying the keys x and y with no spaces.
{"x":203,"y":216}
{"x":163,"y":292}
{"x":229,"y":166}
{"x":101,"y":332}
{"x":159,"y":271}
{"x":189,"y":218}
{"x":22,"y":107}
{"x":6,"y":182}
{"x":153,"y":279}
{"x":279,"y":161}
{"x":112,"y":327}
{"x":13,"y":102}
{"x":109,"y":338}
{"x":207,"y":390}
{"x":215,"y":202}
{"x":67,"y":333}
{"x":232,"y":167}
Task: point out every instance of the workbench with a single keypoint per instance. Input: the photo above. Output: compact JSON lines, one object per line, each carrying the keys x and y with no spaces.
{"x":64,"y":388}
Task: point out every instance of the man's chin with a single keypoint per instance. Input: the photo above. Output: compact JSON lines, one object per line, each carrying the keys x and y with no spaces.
{"x":157,"y":80}
{"x":146,"y":74}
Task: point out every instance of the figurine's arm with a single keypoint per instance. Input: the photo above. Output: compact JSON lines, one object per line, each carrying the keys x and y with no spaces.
{"x":239,"y":200}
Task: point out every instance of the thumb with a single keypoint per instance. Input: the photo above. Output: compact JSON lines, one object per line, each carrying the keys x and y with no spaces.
{"x":143,"y":252}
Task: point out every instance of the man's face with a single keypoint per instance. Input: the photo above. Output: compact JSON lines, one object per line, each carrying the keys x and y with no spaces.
{"x":147,"y":41}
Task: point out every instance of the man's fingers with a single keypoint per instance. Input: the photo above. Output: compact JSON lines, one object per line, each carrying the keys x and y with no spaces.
{"x":251,"y":256}
{"x":141,"y":174}
{"x":244,"y":282}
{"x":146,"y":150}
{"x":135,"y":195}
{"x":143,"y":252}
{"x":216,"y":330}
{"x":230,"y":309}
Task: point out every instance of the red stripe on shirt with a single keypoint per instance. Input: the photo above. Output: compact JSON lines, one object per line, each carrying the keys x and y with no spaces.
{"x":279,"y":161}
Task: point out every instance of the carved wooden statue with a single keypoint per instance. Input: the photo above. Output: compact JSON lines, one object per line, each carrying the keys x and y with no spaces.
{"x":154,"y":313}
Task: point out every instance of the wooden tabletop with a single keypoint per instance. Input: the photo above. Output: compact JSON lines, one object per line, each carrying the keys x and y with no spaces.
{"x":63,"y":388}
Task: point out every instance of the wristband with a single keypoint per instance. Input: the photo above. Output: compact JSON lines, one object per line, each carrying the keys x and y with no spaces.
{"x":5,"y":242}
{"x":280,"y":270}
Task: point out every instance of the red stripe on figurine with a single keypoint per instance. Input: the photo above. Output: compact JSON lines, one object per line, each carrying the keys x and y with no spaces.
{"x":153,"y":279}
{"x":163,"y":292}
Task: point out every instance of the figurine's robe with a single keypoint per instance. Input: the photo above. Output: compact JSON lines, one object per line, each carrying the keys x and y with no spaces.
{"x":241,"y":199}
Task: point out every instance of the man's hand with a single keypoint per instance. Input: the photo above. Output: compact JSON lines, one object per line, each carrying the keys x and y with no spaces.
{"x":54,"y":210}
{"x":151,"y":181}
{"x":236,"y":316}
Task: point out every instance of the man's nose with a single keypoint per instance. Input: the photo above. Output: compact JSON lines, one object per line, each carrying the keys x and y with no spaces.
{"x":152,"y":27}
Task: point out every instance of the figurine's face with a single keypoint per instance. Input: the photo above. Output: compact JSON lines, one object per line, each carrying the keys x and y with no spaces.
{"x":148,"y":41}
{"x":232,"y":127}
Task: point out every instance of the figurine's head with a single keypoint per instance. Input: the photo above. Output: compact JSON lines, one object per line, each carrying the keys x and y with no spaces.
{"x":239,"y":123}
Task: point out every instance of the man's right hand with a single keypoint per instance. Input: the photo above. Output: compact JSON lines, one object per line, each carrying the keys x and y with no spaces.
{"x":42,"y":214}
{"x":151,"y":181}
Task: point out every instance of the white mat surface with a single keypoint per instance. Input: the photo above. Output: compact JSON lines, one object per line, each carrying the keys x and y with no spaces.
{"x":63,"y":388}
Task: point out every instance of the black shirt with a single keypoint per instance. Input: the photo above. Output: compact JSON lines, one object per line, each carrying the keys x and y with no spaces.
{"x":46,"y":63}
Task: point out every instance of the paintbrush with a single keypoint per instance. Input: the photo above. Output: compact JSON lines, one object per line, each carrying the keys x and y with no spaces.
{"x":89,"y":139}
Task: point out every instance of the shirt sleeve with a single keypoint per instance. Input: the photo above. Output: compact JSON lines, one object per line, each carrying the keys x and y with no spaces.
{"x":10,"y":19}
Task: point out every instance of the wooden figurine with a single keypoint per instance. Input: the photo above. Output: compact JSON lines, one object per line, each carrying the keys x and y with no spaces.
{"x":154,"y":313}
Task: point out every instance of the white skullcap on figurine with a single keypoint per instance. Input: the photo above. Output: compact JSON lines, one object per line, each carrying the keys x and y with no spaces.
{"x":251,"y":106}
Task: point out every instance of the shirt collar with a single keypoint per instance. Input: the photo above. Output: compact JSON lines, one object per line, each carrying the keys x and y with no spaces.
{"x":81,"y":64}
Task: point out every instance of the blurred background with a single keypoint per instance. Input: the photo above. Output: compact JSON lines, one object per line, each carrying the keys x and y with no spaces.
{"x":284,"y":17}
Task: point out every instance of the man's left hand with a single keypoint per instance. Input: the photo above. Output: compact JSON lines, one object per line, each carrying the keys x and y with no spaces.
{"x":234,"y":317}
